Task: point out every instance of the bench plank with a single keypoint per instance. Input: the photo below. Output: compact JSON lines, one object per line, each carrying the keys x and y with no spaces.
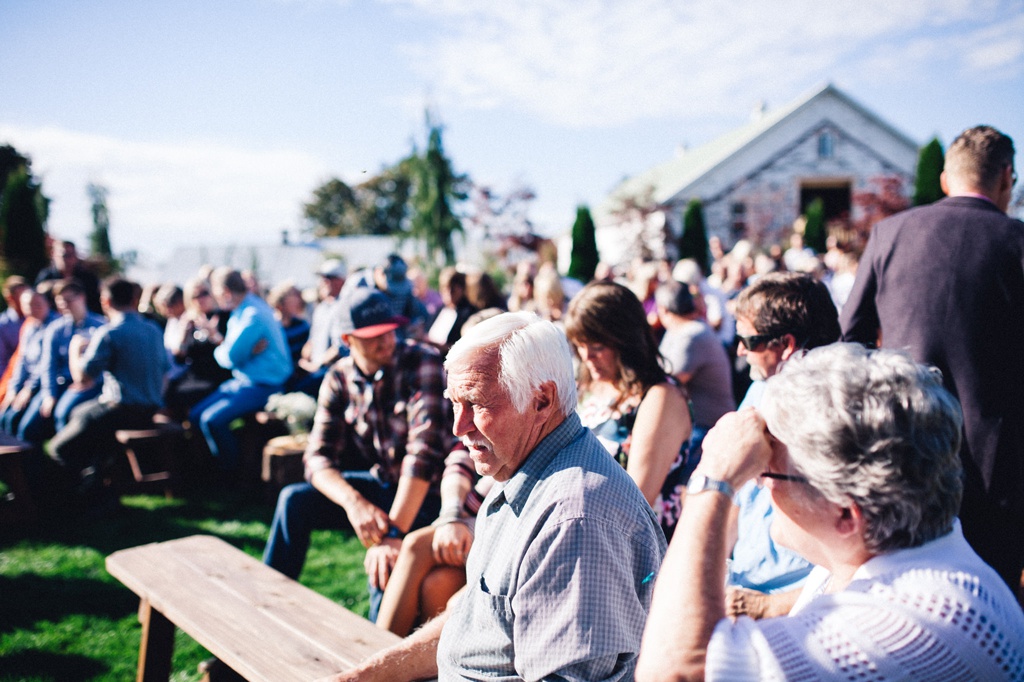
{"x":263,"y":625}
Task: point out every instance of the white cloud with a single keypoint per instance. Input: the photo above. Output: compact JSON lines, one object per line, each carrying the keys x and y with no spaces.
{"x":601,"y":62}
{"x":998,"y":49}
{"x":163,"y":195}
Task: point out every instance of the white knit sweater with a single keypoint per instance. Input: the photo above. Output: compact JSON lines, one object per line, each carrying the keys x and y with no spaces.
{"x":935,"y":612}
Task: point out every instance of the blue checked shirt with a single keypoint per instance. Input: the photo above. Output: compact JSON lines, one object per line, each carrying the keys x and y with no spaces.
{"x":560,"y":576}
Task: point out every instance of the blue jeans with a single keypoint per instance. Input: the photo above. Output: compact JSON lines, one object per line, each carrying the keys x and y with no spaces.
{"x":71,"y":399}
{"x":214,"y":414}
{"x":301,"y":509}
{"x":10,"y":419}
{"x":35,"y":428}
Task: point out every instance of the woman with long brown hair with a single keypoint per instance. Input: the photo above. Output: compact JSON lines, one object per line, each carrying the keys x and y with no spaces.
{"x":627,"y":399}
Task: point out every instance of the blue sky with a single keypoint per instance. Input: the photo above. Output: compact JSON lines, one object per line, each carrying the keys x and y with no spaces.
{"x":212,"y":121}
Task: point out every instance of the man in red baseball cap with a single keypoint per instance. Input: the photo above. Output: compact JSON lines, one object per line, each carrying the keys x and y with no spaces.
{"x":376,"y":452}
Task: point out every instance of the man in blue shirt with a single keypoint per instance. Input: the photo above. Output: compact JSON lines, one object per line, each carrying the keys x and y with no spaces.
{"x":778,"y":316}
{"x":255,"y":350}
{"x":58,"y":394}
{"x":128,"y":352}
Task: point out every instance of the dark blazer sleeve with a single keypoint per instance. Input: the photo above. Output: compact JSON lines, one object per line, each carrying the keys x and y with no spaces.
{"x":859,"y":316}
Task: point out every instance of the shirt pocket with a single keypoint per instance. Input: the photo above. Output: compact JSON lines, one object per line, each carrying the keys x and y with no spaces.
{"x":489,"y":640}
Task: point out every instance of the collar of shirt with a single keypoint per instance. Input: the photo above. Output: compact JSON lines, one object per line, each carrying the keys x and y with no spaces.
{"x":359,"y":377}
{"x":975,"y":195}
{"x":517,"y":489}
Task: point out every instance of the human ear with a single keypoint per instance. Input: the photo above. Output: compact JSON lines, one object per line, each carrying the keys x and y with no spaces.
{"x":544,"y":398}
{"x":790,"y":346}
{"x":850,"y":521}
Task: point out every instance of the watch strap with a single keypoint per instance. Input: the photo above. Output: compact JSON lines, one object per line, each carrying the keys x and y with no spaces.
{"x":700,"y":483}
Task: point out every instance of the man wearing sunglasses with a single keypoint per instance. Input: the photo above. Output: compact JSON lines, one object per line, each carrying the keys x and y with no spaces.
{"x":777,"y":317}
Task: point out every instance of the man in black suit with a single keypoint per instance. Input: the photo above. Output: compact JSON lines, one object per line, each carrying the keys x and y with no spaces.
{"x":946,"y":283}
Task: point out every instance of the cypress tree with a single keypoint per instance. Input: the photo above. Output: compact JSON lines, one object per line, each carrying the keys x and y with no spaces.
{"x":584,"y":259}
{"x":930,"y":160}
{"x":437,"y":188}
{"x":815,"y":233}
{"x":99,"y":238}
{"x":693,"y":242}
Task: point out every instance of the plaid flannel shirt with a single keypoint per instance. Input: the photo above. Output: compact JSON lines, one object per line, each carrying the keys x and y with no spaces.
{"x":394,"y":423}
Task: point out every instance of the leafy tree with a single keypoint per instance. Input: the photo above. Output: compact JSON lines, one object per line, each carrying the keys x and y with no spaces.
{"x":814,"y":232}
{"x":10,"y":161}
{"x":584,"y":258}
{"x":885,"y":197}
{"x":332,"y":211}
{"x":634,"y":214}
{"x":436,"y":187}
{"x":693,"y":242}
{"x":927,"y":187}
{"x":500,"y":215}
{"x":379,"y":205}
{"x":23,"y":213}
{"x":384,"y":199}
{"x":99,"y":238}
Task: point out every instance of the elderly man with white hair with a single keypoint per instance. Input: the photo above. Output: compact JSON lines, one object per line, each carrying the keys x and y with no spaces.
{"x":559,"y":577}
{"x":860,"y":450}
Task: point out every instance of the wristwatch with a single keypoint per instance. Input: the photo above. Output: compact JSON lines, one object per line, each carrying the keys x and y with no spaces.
{"x":699,"y":483}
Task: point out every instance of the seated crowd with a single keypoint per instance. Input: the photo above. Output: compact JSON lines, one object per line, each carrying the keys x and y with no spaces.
{"x":558,"y":484}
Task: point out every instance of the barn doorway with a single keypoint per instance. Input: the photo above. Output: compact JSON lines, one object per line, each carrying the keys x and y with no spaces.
{"x":836,"y":195}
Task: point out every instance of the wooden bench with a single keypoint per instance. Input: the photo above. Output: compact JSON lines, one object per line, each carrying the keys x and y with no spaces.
{"x":261,"y":624}
{"x":282,"y":463}
{"x":153,"y":454}
{"x":20,"y":509}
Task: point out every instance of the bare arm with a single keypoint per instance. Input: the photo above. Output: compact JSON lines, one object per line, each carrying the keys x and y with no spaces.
{"x":381,"y":558}
{"x":408,"y":500}
{"x":452,"y":540}
{"x":414,"y":658}
{"x":662,"y":425}
{"x":683,"y":377}
{"x":684,"y":612}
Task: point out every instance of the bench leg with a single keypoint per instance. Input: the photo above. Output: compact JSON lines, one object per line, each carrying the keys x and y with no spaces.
{"x":157,"y":645}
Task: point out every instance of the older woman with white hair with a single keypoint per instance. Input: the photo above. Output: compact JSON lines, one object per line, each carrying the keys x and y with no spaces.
{"x":860,"y":449}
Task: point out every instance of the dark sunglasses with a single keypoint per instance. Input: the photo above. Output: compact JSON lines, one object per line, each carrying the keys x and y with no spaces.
{"x":752,"y":343}
{"x":202,"y":294}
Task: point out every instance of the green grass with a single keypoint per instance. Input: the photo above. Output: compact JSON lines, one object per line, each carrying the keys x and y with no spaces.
{"x":62,"y":617}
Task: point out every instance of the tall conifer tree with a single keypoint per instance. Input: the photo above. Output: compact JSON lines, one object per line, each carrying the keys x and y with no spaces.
{"x":583,"y":263}
{"x":930,"y":161}
{"x":693,"y":242}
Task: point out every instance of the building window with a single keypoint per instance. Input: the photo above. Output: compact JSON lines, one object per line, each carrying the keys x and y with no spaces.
{"x":826,"y":146}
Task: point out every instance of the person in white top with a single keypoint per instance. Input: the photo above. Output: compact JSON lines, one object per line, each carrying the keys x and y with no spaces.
{"x":860,"y":449}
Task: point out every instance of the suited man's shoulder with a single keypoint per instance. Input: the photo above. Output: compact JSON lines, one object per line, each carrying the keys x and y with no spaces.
{"x":947,"y":210}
